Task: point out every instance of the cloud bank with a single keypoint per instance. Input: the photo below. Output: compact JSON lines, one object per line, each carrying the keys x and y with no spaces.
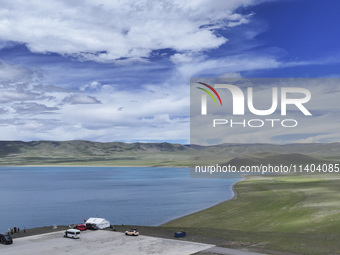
{"x":108,"y":31}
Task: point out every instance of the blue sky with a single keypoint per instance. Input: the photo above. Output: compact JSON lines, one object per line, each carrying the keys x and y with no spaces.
{"x":109,"y":70}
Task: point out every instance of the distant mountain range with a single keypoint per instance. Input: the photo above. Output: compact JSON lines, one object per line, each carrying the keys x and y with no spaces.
{"x":81,"y":148}
{"x":79,"y":152}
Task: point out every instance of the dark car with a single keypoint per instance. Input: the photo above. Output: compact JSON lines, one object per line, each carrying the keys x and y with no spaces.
{"x":6,"y":239}
{"x":91,"y":226}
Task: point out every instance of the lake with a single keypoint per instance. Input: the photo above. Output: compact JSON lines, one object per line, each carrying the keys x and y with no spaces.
{"x":43,"y":196}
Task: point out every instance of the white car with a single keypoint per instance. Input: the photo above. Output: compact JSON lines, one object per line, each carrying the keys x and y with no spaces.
{"x":132,"y":232}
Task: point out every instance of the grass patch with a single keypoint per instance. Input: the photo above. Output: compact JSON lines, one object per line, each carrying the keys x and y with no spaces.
{"x":162,"y":159}
{"x":297,"y":214}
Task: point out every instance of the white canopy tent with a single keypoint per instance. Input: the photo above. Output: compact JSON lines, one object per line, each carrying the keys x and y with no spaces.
{"x":99,"y":222}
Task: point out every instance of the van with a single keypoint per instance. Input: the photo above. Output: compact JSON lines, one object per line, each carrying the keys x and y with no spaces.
{"x":72,"y":233}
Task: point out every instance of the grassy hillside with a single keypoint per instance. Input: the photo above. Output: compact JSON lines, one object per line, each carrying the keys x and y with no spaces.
{"x":159,"y":154}
{"x":254,"y":154}
{"x":274,"y":159}
{"x":93,"y":153}
{"x":296,"y":214}
{"x":234,"y":149}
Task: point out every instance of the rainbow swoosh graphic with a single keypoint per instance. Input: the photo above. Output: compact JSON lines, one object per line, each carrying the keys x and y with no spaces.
{"x":209,"y":93}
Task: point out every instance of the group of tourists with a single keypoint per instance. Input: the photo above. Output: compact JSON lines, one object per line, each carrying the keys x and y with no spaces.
{"x":15,"y":230}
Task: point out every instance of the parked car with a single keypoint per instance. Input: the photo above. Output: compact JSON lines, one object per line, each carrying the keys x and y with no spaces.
{"x":80,"y":227}
{"x":91,"y":226}
{"x":72,"y":233}
{"x":6,"y":239}
{"x":132,"y":232}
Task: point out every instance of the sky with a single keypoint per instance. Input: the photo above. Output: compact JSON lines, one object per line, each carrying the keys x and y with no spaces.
{"x":108,"y":70}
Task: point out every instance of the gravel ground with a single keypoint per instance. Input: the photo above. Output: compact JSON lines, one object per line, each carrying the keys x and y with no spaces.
{"x":99,"y":242}
{"x":162,"y":232}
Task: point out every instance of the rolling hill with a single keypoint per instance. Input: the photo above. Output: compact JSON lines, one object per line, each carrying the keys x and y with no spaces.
{"x":80,"y":152}
{"x":88,"y":153}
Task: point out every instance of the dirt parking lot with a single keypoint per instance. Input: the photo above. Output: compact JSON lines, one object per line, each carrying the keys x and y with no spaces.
{"x":99,"y":242}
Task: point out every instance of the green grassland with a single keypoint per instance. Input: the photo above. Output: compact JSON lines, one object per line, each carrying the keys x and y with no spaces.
{"x":140,"y":159}
{"x":299,"y":214}
{"x":88,"y":153}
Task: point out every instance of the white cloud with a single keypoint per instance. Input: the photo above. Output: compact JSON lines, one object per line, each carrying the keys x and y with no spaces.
{"x":230,"y":75}
{"x":179,"y":58}
{"x":10,"y":72}
{"x":13,"y":96}
{"x":81,"y":99}
{"x":33,"y":108}
{"x":201,"y":65}
{"x":104,"y":112}
{"x":96,"y":111}
{"x":147,"y":115}
{"x":110,"y":30}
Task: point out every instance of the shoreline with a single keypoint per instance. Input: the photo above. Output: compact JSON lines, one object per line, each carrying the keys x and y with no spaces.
{"x":200,"y":210}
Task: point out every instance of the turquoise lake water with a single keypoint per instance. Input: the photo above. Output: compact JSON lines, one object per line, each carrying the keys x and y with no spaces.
{"x":43,"y":196}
